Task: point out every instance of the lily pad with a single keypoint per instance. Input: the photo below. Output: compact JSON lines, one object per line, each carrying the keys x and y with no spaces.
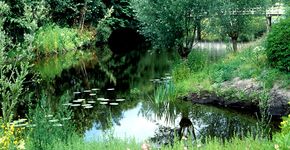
{"x":78,"y":100}
{"x":95,"y":89}
{"x":77,"y":93}
{"x":88,"y":107}
{"x":120,"y":99}
{"x":114,"y":104}
{"x":53,"y":120}
{"x":103,"y":103}
{"x":57,"y":125}
{"x":91,"y":102}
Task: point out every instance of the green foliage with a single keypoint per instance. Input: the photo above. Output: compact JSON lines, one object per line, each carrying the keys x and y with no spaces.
{"x":278,"y":45}
{"x":53,"y":67}
{"x":70,"y":12}
{"x":77,"y":143}
{"x":12,"y":73}
{"x":224,"y":71}
{"x":181,"y":72}
{"x":255,"y":29}
{"x":159,"y":21}
{"x":246,"y":64}
{"x":169,"y":23}
{"x":11,"y":89}
{"x":197,"y":60}
{"x":24,"y":18}
{"x":103,"y":28}
{"x":47,"y":126}
{"x":250,"y":63}
{"x":163,"y":92}
{"x":54,"y":39}
{"x":282,"y":139}
{"x":234,"y":25}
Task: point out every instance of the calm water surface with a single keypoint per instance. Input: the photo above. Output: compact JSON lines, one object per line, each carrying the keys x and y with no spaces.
{"x":114,"y":95}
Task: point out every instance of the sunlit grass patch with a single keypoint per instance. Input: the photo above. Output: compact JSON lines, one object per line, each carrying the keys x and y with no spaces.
{"x":77,"y":143}
{"x":53,"y":39}
{"x":249,"y":63}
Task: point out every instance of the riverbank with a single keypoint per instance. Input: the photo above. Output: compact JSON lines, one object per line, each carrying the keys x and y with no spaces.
{"x":241,"y":80}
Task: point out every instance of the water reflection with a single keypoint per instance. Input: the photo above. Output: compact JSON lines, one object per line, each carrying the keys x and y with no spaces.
{"x":161,"y":122}
{"x":101,"y":78}
{"x":206,"y":121}
{"x":105,"y":91}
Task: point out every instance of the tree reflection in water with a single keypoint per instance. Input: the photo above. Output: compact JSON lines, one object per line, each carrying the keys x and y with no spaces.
{"x":134,"y":71}
{"x":198,"y":121}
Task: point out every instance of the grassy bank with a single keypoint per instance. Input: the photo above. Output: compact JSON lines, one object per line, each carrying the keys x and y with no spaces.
{"x":52,"y":39}
{"x":55,"y":139}
{"x":249,"y":63}
{"x":118,"y":144}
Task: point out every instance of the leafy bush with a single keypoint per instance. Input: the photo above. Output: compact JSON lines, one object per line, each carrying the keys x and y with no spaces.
{"x":48,"y":126}
{"x":197,"y":60}
{"x":180,"y":72}
{"x":256,"y":29}
{"x":68,"y":12}
{"x":225,"y":71}
{"x":282,"y":139}
{"x":10,"y":136}
{"x":278,"y":45}
{"x":103,"y":28}
{"x":53,"y":39}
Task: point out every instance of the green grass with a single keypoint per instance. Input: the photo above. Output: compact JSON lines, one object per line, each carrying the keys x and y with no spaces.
{"x":250,"y":62}
{"x":77,"y":143}
{"x":53,"y":39}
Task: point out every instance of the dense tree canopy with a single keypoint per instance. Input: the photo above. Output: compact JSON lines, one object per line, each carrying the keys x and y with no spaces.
{"x":170,"y":23}
{"x":174,"y":23}
{"x":232,"y":19}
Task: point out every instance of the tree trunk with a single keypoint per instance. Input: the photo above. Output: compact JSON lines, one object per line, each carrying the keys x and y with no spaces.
{"x":198,"y":30}
{"x":235,"y":43}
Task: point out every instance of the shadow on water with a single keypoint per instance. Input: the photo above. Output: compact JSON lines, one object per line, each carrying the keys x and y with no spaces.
{"x":95,"y":85}
{"x":108,"y":92}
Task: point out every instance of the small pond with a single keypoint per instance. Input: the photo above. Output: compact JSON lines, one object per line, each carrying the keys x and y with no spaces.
{"x":114,"y":95}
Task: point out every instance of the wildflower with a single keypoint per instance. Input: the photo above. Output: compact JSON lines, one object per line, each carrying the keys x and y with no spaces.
{"x":284,"y":122}
{"x":15,"y":142}
{"x":276,"y":147}
{"x":21,"y":145}
{"x":12,"y":128}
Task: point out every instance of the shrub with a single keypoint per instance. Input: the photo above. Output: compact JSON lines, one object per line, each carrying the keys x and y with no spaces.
{"x":53,"y":39}
{"x":282,"y":139}
{"x":197,"y":60}
{"x":180,"y":72}
{"x":10,"y":136}
{"x":278,"y":45}
{"x":225,"y":71}
{"x":48,"y":126}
